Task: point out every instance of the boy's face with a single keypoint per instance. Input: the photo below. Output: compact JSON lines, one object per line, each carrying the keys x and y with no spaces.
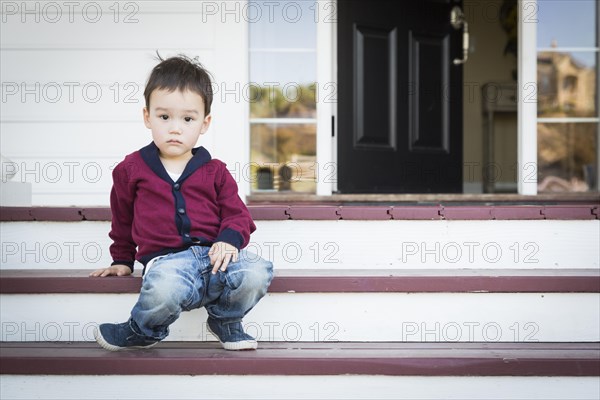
{"x":177,"y":120}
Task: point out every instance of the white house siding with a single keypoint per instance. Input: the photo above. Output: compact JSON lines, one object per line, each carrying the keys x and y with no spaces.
{"x":62,"y":133}
{"x":300,"y":387}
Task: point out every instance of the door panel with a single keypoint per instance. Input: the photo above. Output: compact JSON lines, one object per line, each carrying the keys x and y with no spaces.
{"x":428,"y":112}
{"x":375,"y":90}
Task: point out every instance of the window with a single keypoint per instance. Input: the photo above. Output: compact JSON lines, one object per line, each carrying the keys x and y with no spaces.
{"x":283,"y":75}
{"x":567,"y":129}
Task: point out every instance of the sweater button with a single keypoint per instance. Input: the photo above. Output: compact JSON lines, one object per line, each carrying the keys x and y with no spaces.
{"x":181,"y":211}
{"x":176,"y":186}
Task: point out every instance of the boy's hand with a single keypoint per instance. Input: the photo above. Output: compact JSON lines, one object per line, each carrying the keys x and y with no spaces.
{"x":117,"y":269}
{"x":221,"y":254}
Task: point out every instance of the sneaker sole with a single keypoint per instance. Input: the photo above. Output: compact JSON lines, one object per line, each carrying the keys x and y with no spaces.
{"x":236,"y":346}
{"x":111,"y":347}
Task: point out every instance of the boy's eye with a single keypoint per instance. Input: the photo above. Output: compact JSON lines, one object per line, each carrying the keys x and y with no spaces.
{"x":188,"y":119}
{"x":163,"y":117}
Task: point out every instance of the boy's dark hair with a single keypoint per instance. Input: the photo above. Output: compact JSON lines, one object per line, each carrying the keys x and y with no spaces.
{"x":180,"y":73}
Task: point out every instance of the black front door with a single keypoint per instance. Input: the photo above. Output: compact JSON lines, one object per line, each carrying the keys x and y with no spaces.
{"x":400,"y":97}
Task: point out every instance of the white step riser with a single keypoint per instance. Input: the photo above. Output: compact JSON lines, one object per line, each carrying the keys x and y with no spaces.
{"x":341,"y":244}
{"x":331,"y":316}
{"x":299,"y":387}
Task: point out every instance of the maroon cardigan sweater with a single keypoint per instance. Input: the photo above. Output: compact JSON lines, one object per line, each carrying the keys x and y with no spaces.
{"x":159,"y":216}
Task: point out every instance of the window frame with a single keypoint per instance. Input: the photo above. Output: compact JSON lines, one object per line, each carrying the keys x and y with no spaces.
{"x":527,"y":119}
{"x":326,"y":101}
{"x":326,"y":86}
{"x":527,"y":106}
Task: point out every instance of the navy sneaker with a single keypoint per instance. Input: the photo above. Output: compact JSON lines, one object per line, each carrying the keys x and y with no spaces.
{"x":231,"y":335}
{"x":115,"y":337}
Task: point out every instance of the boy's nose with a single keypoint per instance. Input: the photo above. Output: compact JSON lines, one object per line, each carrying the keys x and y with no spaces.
{"x":175,"y":128}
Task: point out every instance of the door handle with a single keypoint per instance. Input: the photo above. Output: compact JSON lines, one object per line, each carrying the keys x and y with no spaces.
{"x":457,"y":19}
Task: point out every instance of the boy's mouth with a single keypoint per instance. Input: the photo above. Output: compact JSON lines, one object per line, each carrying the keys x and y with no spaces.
{"x":172,"y":141}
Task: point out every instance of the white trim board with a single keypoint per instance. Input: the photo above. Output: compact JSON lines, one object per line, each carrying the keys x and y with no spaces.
{"x":327,"y":100}
{"x":299,"y":387}
{"x":527,"y":95}
{"x":341,"y":244}
{"x":308,"y":317}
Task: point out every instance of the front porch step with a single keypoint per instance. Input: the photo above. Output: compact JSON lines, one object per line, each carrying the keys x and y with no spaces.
{"x":46,"y":281}
{"x":398,"y":359}
{"x":414,"y":306}
{"x":303,"y":371}
{"x":341,"y":244}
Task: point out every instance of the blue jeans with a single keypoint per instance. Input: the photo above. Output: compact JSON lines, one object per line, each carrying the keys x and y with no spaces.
{"x":183,"y":281}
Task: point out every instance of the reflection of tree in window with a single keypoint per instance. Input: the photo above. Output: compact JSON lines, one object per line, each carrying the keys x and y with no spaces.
{"x":297,"y":101}
{"x":290,"y":150}
{"x":276,"y":143}
{"x":283,"y":72}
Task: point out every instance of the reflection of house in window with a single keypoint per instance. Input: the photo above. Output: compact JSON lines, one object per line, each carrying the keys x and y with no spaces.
{"x":544,"y":85}
{"x":570,"y":83}
{"x":566,"y":150}
{"x":566,"y":86}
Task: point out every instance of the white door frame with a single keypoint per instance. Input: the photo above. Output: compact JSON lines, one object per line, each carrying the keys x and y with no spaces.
{"x":527,"y":98}
{"x":326,"y":166}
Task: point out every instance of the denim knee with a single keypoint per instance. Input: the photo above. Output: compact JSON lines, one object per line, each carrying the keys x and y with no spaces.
{"x":258,"y":272}
{"x":166,"y":290}
{"x":237,"y":290}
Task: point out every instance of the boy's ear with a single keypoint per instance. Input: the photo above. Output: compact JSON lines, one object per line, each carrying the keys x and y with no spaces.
{"x":205,"y":124}
{"x":146,"y":117}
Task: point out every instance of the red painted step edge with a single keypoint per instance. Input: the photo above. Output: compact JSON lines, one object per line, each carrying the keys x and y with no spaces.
{"x":326,"y":212}
{"x":77,"y":281}
{"x":569,"y":212}
{"x":303,"y":359}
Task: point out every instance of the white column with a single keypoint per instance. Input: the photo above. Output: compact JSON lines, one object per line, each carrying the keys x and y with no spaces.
{"x":527,"y":106}
{"x":230,"y":129}
{"x":327,"y":93}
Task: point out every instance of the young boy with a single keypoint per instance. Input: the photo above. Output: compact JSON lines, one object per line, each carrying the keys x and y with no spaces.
{"x":181,"y":209}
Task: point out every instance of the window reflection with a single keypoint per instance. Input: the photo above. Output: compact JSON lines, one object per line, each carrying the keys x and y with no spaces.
{"x":290,"y":101}
{"x":283,"y":157}
{"x":280,"y":67}
{"x":566,"y":84}
{"x":283,"y":75}
{"x":567,"y":80}
{"x":567,"y":157}
{"x":566,"y":23}
{"x":282,"y":23}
